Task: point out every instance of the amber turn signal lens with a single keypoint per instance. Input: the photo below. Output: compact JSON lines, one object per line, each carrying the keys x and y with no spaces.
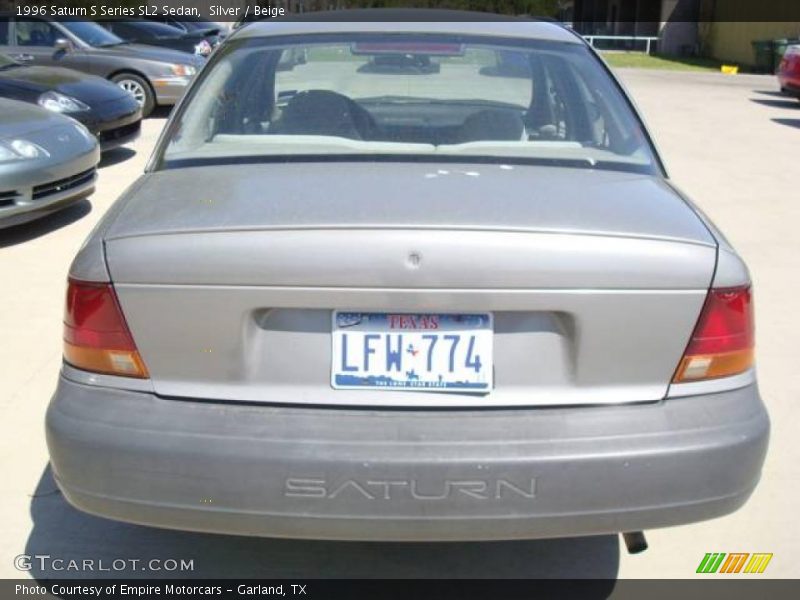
{"x":110,"y":362}
{"x":723,"y":339}
{"x":693,"y":368}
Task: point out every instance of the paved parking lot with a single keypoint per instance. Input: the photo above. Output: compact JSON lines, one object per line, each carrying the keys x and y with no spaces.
{"x":730,"y":142}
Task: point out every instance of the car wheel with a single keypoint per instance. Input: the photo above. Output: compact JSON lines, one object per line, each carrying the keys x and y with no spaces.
{"x":139,"y":88}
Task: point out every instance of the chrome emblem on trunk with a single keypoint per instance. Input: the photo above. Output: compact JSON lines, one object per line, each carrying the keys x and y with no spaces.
{"x":414,"y":260}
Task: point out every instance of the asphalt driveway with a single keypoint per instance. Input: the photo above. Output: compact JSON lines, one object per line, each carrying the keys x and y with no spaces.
{"x":730,"y":142}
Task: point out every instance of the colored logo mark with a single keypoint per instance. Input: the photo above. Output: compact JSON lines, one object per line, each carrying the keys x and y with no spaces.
{"x":734,"y":562}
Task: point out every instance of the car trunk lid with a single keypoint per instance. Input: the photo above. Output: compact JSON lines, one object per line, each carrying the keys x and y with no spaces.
{"x":228,"y":275}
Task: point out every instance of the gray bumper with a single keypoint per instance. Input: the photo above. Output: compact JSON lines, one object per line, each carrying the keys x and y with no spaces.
{"x":404,"y":475}
{"x":169,"y":90}
{"x":63,"y":182}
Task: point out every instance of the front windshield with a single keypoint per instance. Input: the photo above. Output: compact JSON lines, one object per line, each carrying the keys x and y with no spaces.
{"x":92,"y":33}
{"x":421,"y":98}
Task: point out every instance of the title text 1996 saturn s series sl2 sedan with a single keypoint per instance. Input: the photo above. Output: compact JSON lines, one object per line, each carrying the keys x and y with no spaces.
{"x":430,"y":283}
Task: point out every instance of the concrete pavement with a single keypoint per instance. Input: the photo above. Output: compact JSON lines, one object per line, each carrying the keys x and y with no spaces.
{"x":729,"y":142}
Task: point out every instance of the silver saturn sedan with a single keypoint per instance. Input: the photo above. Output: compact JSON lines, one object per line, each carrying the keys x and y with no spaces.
{"x":431,"y":282}
{"x":47,"y":161}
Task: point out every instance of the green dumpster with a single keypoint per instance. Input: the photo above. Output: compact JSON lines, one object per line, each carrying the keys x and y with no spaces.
{"x":764,"y":51}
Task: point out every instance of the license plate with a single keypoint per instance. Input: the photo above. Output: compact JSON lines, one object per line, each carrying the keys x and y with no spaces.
{"x":423,"y":352}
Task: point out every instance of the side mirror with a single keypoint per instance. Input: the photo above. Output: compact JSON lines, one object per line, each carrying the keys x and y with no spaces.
{"x":62,"y":45}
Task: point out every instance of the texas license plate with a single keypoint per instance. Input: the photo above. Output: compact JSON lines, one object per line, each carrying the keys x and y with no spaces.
{"x":402,"y":351}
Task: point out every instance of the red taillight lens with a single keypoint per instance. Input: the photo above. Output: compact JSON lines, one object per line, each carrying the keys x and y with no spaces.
{"x":96,"y":337}
{"x":723,"y":340}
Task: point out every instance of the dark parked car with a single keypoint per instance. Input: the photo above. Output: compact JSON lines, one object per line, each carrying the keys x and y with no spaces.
{"x":108,"y":112}
{"x":197,"y":27}
{"x":151,"y":33}
{"x":155,"y":76}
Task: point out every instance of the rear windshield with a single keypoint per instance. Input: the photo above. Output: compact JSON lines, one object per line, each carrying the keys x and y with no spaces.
{"x":423,"y":98}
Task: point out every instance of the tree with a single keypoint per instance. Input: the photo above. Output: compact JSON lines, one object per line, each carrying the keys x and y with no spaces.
{"x":544,"y":8}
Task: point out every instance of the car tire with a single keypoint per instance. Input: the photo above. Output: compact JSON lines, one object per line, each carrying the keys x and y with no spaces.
{"x":140,"y":88}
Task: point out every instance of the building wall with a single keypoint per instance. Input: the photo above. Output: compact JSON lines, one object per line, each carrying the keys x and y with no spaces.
{"x":678,"y":27}
{"x":731,"y":41}
{"x":674,"y":21}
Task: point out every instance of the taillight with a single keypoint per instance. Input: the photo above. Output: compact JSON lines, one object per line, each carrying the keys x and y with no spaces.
{"x":791,"y":60}
{"x":96,"y":337}
{"x":723,"y":339}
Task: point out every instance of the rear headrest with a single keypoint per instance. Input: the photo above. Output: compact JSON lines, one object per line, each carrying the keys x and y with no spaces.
{"x":492,"y":125}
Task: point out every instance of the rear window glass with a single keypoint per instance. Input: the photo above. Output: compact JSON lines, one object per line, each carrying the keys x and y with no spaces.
{"x":424,"y":97}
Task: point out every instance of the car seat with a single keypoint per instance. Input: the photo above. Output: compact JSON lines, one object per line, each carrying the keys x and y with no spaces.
{"x":491,"y":125}
{"x":318,"y":112}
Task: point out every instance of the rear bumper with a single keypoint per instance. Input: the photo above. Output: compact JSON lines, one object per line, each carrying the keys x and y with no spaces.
{"x":404,"y":475}
{"x":790,"y":86}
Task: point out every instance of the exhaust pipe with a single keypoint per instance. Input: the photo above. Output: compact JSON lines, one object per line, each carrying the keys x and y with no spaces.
{"x":635,"y":541}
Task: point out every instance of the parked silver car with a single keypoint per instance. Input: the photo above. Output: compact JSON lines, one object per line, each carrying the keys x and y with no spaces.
{"x":155,"y":76}
{"x":47,"y":161}
{"x":356,"y":299}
